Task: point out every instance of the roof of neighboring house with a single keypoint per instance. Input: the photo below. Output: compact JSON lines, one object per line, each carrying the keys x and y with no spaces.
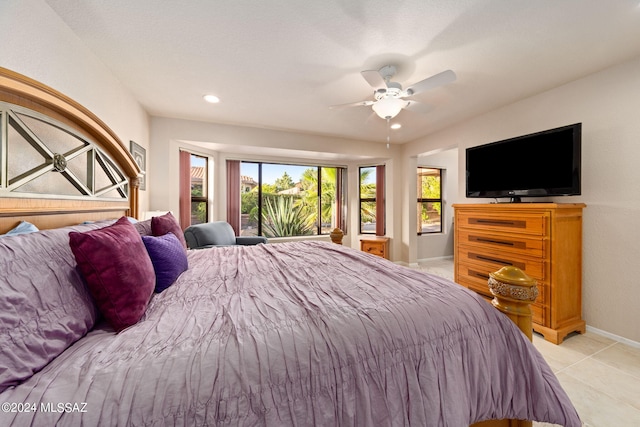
{"x":247,"y":180}
{"x":197,"y":173}
{"x":296,"y":189}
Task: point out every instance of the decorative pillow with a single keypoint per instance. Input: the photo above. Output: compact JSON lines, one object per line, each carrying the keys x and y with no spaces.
{"x":23,"y":228}
{"x":161,"y":225}
{"x":168,"y":258}
{"x":144,"y":227}
{"x":44,"y":304}
{"x":117,"y":269}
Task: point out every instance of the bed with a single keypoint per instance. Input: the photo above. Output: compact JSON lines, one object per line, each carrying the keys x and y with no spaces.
{"x":291,"y":334}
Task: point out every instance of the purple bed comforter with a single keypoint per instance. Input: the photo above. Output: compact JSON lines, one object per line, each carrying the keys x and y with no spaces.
{"x":298,"y":334}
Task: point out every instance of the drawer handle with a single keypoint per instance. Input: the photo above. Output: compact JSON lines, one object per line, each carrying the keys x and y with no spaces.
{"x":499,"y":222}
{"x":496,"y":260}
{"x":520,"y":265}
{"x":495,"y":221}
{"x":478,"y":274}
{"x":493,"y":241}
{"x":497,"y":242}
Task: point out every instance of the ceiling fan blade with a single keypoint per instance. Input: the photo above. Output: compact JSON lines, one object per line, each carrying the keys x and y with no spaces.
{"x":352,"y":104}
{"x":418,"y":107}
{"x":374,"y":78}
{"x":434,"y":81}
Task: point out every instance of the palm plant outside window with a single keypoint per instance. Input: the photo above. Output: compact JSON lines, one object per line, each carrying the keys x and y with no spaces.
{"x":429,"y":200}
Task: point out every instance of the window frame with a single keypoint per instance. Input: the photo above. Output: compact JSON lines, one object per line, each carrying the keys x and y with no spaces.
{"x":422,"y":200}
{"x":362,"y":200}
{"x":205,"y":186}
{"x":340,"y":181}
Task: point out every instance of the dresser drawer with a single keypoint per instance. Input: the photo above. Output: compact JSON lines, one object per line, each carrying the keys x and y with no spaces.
{"x":376,"y":246}
{"x":533,"y":224}
{"x":523,"y":245}
{"x":373,"y":248}
{"x":492,"y":261}
{"x":539,"y":314}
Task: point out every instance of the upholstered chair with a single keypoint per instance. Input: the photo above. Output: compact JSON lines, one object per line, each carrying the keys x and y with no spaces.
{"x":217,"y":233}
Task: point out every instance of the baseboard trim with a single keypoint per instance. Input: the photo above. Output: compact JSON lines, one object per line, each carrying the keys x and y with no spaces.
{"x":405,"y":264}
{"x":614,"y":337}
{"x":437,"y":258}
{"x":417,"y":263}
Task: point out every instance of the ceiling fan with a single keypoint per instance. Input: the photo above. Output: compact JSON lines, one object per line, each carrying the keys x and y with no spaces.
{"x":390,"y":97}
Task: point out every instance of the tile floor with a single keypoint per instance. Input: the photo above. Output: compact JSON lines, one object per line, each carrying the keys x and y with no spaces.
{"x":600,"y":375}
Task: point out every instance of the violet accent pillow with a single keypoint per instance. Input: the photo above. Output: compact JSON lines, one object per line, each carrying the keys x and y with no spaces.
{"x":117,"y":270}
{"x":168,"y":258}
{"x":161,"y":225}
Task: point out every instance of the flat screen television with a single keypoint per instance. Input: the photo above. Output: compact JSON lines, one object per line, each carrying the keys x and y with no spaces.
{"x":540,"y":164}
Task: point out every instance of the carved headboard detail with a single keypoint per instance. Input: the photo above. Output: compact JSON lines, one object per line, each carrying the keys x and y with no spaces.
{"x":89,"y":160}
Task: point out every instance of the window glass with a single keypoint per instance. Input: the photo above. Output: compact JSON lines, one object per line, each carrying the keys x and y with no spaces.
{"x":249,"y":178}
{"x":280,"y":200}
{"x":199,"y":190}
{"x":368,"y":200}
{"x":429,"y":206}
{"x":328,"y":203}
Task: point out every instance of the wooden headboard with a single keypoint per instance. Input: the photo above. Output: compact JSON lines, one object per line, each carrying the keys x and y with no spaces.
{"x":53,"y":210}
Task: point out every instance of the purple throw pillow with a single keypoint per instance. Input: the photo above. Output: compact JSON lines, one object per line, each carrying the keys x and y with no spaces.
{"x":117,"y":269}
{"x":161,"y":225}
{"x":168,"y":258}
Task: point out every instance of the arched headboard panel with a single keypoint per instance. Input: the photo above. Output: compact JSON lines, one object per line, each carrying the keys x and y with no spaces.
{"x":54,"y":210}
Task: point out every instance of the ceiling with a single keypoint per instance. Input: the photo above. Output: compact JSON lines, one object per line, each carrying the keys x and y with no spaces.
{"x":281,"y":64}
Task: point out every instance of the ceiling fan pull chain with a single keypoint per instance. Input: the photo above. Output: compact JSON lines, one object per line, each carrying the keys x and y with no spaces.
{"x":388,"y":131}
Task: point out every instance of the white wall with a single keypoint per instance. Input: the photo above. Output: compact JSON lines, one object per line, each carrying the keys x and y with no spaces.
{"x":221,"y":142}
{"x":39,"y":45}
{"x":441,"y":244}
{"x":607,"y":104}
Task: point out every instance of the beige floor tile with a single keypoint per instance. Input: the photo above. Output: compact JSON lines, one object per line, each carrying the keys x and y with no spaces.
{"x":588,"y":343}
{"x":596,"y":408}
{"x":572,"y":350}
{"x":611,"y":381}
{"x":623,"y":357}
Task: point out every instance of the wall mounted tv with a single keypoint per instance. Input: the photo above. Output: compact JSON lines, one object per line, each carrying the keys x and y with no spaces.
{"x":541,"y":164}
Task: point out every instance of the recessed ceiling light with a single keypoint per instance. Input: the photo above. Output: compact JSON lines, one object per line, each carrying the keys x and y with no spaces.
{"x":212,"y":99}
{"x":396,"y":126}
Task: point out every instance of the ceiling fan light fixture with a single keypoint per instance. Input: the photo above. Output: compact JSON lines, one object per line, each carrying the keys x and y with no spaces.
{"x":388,"y":108}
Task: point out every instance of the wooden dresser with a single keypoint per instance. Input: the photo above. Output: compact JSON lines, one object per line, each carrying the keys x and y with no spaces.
{"x":375,"y":245}
{"x":542,"y":239}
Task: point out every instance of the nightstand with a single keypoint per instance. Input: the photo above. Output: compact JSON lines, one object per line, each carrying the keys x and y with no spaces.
{"x":375,"y":245}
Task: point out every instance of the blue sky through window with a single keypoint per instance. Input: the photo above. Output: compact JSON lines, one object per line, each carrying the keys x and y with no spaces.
{"x":271,"y":172}
{"x":197,"y":160}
